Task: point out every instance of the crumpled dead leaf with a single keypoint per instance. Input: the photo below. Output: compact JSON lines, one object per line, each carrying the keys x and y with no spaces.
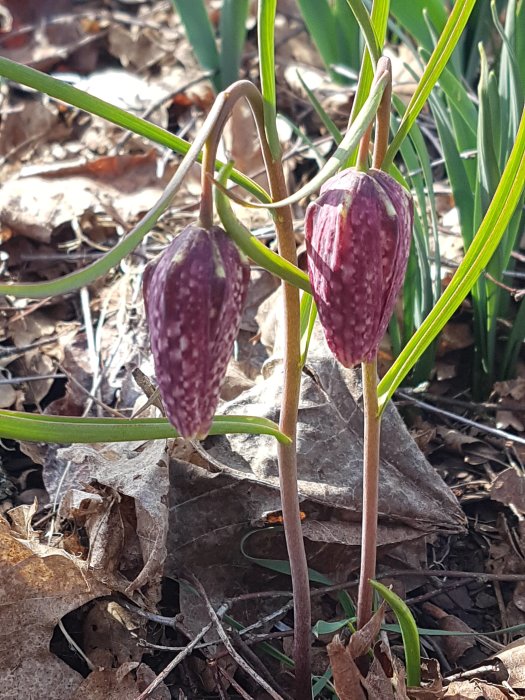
{"x":38,"y":586}
{"x":124,"y":511}
{"x":349,"y":682}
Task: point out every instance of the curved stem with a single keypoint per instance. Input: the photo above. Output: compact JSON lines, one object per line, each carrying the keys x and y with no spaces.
{"x":384,"y":65}
{"x":287,"y":455}
{"x":370,"y":491}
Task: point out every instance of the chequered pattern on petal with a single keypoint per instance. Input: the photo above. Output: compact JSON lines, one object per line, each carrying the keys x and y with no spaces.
{"x":194,"y":293}
{"x":358,"y":239}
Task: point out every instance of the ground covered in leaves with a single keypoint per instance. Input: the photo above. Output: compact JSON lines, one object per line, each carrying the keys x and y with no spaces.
{"x":158,"y":569}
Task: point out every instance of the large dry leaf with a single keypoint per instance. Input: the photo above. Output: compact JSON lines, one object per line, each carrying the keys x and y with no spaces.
{"x":330,"y":449}
{"x":214,"y":504}
{"x":35,"y":205}
{"x":38,"y":586}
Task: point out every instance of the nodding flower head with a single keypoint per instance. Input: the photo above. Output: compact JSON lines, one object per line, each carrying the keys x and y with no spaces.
{"x":358,"y":239}
{"x":194,"y":294}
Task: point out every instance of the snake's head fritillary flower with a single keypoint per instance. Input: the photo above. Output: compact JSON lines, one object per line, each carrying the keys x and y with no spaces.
{"x":194,"y":294}
{"x":358,"y":236}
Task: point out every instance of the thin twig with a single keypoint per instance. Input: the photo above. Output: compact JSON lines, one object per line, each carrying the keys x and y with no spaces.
{"x":461,"y":419}
{"x":229,"y":646}
{"x":169,"y":668}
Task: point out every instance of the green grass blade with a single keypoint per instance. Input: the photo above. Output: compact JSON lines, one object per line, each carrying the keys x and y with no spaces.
{"x":409,"y":633}
{"x":320,"y":22}
{"x":282,"y":566}
{"x":379,"y":22}
{"x":363,"y":19}
{"x":232,"y":29}
{"x":201,"y":36}
{"x":488,"y":236}
{"x":412,"y":18}
{"x":347,"y":36}
{"x":16,"y":425}
{"x":307,"y":322}
{"x":266,"y":39}
{"x":321,"y":113}
{"x":437,"y":62}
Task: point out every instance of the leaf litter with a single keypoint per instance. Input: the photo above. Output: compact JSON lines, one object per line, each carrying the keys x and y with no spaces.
{"x":138,"y":520}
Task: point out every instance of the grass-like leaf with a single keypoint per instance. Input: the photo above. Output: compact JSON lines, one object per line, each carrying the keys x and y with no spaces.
{"x":16,"y":425}
{"x":488,"y":236}
{"x":201,"y":37}
{"x":409,"y":633}
{"x":437,"y":62}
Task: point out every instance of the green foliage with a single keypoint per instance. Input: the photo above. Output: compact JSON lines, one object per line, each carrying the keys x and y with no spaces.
{"x":335,"y":32}
{"x":223,"y":64}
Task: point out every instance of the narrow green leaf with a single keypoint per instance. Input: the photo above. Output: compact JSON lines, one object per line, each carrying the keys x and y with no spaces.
{"x":437,"y":62}
{"x":283,"y":567}
{"x":409,"y":633}
{"x":487,"y":238}
{"x":307,"y":322}
{"x":321,"y":113}
{"x":16,"y":425}
{"x":320,"y":22}
{"x":201,"y":37}
{"x":266,"y":39}
{"x":232,"y":29}
{"x":379,"y":22}
{"x":363,"y":19}
{"x":412,"y":19}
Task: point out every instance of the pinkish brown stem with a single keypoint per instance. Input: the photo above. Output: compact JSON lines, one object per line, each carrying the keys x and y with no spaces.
{"x":287,"y":454}
{"x":370,"y":492}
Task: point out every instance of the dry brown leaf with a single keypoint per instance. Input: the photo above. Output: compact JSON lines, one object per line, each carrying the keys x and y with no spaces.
{"x":475,"y":690}
{"x":509,"y":488}
{"x":128,"y":520}
{"x":454,"y":647}
{"x":35,"y":205}
{"x":513,"y":659}
{"x":123,"y":683}
{"x":38,"y":586}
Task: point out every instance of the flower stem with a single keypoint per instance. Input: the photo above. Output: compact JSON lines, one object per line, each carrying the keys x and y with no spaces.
{"x":370,"y":491}
{"x":287,"y":454}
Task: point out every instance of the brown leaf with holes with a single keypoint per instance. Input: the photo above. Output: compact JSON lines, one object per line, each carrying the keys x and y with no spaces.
{"x":39,"y":584}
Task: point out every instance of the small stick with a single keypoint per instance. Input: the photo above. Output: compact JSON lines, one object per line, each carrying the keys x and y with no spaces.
{"x":169,"y":668}
{"x":229,"y":646}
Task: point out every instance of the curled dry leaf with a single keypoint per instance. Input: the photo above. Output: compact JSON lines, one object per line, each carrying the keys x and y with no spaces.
{"x":38,"y":586}
{"x":454,"y":646}
{"x":127,"y":520}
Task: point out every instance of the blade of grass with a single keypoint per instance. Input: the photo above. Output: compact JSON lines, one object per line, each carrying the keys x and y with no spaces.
{"x":490,"y":232}
{"x":266,"y":39}
{"x":232,"y":30}
{"x":409,"y":633}
{"x":201,"y":37}
{"x":16,"y":425}
{"x":437,"y":62}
